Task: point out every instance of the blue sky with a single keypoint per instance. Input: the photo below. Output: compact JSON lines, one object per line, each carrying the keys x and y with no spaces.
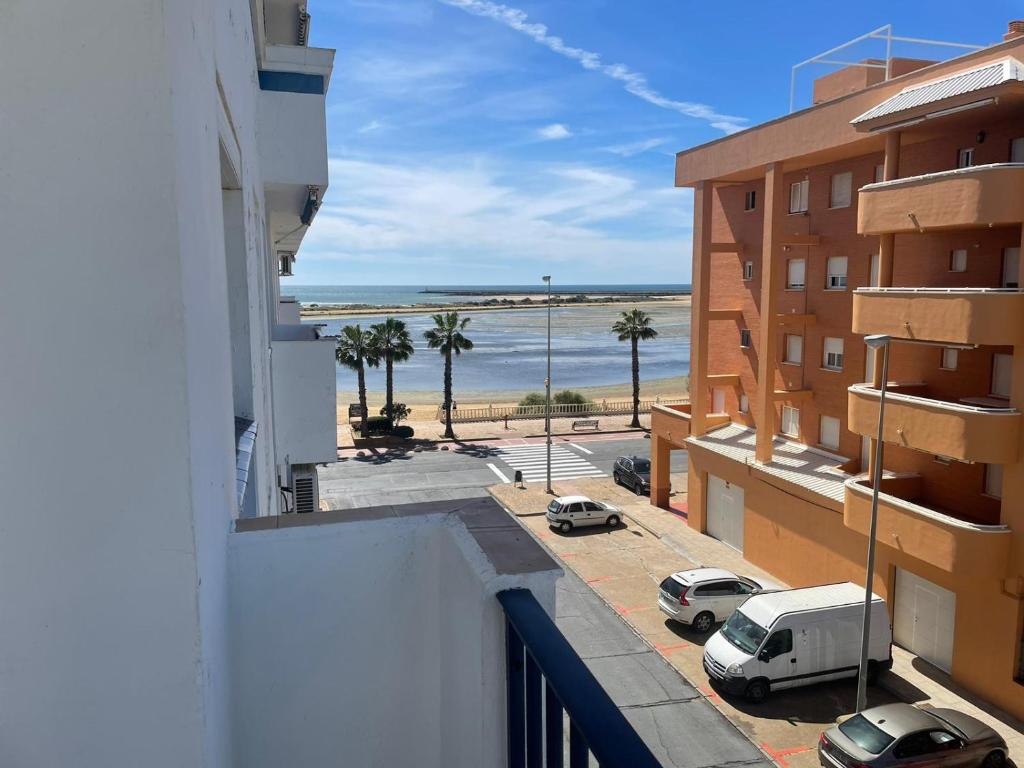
{"x":478,"y":143}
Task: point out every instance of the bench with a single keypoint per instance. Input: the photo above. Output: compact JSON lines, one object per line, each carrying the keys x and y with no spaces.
{"x":585,"y":423}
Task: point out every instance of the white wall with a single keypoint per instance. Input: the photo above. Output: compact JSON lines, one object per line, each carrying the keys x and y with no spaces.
{"x":305,"y":399}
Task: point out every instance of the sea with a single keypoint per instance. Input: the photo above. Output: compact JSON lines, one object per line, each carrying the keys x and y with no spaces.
{"x":510,"y":346}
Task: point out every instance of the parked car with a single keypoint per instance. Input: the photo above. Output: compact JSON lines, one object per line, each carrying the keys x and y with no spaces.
{"x":704,"y":596}
{"x":901,"y":734}
{"x":633,"y":472}
{"x":568,"y":512}
{"x":797,"y":637}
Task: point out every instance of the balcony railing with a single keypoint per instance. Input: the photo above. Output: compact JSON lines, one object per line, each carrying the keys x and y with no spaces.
{"x":956,"y":315}
{"x":954,"y":429}
{"x":602,"y":408}
{"x":979,"y":196}
{"x":546,"y":678}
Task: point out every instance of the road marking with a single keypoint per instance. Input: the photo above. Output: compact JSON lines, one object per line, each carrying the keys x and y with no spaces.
{"x":579,"y":447}
{"x":532,"y":461}
{"x":499,"y":473}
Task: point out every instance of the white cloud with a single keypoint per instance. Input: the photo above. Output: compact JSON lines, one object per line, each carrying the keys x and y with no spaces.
{"x":554,"y":131}
{"x":370,"y":127}
{"x":633,"y":82}
{"x":634,"y":148}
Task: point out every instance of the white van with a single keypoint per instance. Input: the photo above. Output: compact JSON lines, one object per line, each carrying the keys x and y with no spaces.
{"x":797,"y":637}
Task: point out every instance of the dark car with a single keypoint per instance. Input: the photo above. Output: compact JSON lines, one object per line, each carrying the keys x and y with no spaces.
{"x":633,"y":472}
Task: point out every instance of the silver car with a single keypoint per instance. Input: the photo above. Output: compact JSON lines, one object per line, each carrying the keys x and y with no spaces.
{"x":903,"y":735}
{"x":568,"y":512}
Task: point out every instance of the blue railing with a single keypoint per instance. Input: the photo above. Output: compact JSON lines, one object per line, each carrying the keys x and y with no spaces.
{"x":539,"y":656}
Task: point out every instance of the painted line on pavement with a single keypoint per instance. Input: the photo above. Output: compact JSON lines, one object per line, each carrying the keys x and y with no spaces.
{"x":580,"y":448}
{"x":499,"y":473}
{"x":780,"y":755}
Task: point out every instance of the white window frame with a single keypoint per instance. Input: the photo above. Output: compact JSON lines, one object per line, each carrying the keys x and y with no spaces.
{"x":835,"y":277}
{"x":798,"y":194}
{"x":950,"y":359}
{"x":790,"y":422}
{"x":748,"y":270}
{"x":788,"y":349}
{"x":744,"y":405}
{"x":750,"y":200}
{"x":994,"y":480}
{"x":965,"y":157}
{"x":832,"y":422}
{"x":832,"y":360}
{"x":958,"y":260}
{"x":843,"y":196}
{"x":791,"y":284}
{"x":745,"y":335}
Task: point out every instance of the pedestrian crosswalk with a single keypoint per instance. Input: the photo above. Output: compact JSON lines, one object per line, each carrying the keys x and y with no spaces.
{"x":531,"y":460}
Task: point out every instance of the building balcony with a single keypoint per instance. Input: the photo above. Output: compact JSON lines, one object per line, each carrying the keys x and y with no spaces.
{"x":289,"y":311}
{"x":671,"y":422}
{"x":980,"y":196}
{"x":958,"y":430}
{"x":303,"y":371}
{"x":942,"y":538}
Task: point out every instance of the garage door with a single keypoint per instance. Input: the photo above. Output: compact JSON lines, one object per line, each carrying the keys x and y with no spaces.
{"x":924,"y":615}
{"x":725,"y":512}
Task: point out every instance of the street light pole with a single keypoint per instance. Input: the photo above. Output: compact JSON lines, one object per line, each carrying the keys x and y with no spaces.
{"x":873,"y":342}
{"x":547,"y":386}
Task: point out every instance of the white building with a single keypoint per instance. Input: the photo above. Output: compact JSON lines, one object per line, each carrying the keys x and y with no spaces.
{"x":162,"y":410}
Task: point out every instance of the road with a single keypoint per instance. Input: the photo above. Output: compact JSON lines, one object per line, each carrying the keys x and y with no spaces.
{"x":467,"y":469}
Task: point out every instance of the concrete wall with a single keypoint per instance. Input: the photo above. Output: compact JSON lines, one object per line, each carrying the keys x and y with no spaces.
{"x":305,"y":400}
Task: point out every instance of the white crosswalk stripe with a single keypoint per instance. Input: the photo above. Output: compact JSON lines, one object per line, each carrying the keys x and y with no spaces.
{"x":531,"y":460}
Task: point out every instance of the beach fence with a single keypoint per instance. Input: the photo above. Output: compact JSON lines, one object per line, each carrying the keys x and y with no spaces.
{"x":596,"y":408}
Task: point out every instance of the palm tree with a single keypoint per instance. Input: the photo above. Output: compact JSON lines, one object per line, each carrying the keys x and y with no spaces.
{"x":446,"y":336}
{"x":356,"y":351}
{"x":635,"y":326}
{"x":391,"y":343}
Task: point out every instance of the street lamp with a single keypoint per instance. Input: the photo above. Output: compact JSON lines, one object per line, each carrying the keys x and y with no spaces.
{"x":874,"y":343}
{"x":547,"y":385}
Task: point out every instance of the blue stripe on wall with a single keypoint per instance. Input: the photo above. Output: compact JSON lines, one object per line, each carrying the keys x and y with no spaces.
{"x":291,"y":82}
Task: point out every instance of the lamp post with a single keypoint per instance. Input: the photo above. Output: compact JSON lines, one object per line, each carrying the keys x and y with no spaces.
{"x":547,"y":386}
{"x":873,"y":342}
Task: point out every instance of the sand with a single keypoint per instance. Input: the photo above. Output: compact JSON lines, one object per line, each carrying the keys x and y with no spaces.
{"x":330,"y":312}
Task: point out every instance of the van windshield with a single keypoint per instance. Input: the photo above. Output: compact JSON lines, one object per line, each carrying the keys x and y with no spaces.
{"x":743,"y":633}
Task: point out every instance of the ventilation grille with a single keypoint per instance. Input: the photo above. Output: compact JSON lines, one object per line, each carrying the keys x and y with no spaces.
{"x":305,"y":493}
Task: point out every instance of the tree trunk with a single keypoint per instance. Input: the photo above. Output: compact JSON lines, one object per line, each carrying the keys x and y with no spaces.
{"x":636,"y":384}
{"x":362,"y":396}
{"x":389,"y":385}
{"x":448,"y":433}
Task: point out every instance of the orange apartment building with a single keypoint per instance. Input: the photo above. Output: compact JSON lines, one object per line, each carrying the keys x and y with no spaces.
{"x":889,"y":207}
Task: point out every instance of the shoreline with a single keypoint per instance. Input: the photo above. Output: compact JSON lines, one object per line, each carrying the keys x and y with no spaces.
{"x":336,"y":311}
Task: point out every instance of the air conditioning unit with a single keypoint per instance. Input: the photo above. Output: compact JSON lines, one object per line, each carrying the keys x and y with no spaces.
{"x":287,"y":259}
{"x":306,"y":488}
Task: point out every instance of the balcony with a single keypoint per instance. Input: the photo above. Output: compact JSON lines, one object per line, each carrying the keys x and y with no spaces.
{"x":980,"y":196}
{"x":955,"y":429}
{"x":910,"y":524}
{"x":305,"y":401}
{"x":973,"y":316}
{"x":289,"y":311}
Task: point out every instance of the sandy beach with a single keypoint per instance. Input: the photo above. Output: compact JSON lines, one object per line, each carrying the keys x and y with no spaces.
{"x":329,"y":312}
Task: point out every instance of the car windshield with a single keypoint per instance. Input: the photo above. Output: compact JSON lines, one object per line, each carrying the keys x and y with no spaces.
{"x":865,"y":734}
{"x":672,"y":586}
{"x":641,"y":465}
{"x":743,"y":633}
{"x":554,"y":506}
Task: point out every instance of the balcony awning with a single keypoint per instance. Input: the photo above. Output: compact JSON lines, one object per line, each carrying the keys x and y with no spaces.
{"x":937,"y":93}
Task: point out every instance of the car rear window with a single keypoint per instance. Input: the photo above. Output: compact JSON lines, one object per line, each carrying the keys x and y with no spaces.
{"x":642,"y":465}
{"x":672,"y":586}
{"x":865,"y":734}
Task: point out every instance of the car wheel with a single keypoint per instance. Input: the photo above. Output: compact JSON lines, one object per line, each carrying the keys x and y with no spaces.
{"x":703,"y":621}
{"x":613,"y":521}
{"x":639,"y":489}
{"x":995,"y":759}
{"x":616,"y":478}
{"x":565,"y":526}
{"x":757,"y":691}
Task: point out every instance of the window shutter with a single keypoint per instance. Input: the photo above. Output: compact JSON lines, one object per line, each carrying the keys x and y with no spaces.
{"x":842,"y":186}
{"x":829,"y":436}
{"x":796,"y":273}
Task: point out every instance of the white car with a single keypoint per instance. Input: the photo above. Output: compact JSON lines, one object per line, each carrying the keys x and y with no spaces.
{"x":568,"y":512}
{"x":704,"y":596}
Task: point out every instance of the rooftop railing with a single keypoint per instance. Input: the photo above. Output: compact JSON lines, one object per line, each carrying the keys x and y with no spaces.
{"x":546,"y":678}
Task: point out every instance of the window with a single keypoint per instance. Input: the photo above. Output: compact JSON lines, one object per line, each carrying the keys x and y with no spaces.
{"x":836,"y":278}
{"x":925,"y":743}
{"x":828,"y":435}
{"x":1001,"y":373}
{"x":795,"y":274}
{"x":958,"y":260}
{"x":842,"y":187}
{"x":592,"y":506}
{"x":965,"y":158}
{"x":798,"y":196}
{"x":779,"y":643}
{"x":750,"y":200}
{"x":744,"y":404}
{"x":950,"y":357}
{"x":832,"y":354}
{"x":575,"y":509}
{"x":748,"y":270}
{"x":794,"y":349}
{"x":1017,"y":150}
{"x":745,"y":337}
{"x":1011,"y":267}
{"x":873,"y":270}
{"x":994,"y":480}
{"x":790,"y":421}
{"x":880,"y":172}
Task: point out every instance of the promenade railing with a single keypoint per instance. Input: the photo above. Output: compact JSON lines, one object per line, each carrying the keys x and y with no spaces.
{"x":596,"y":408}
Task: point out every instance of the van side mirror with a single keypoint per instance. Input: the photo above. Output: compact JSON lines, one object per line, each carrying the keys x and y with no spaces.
{"x":764,"y":655}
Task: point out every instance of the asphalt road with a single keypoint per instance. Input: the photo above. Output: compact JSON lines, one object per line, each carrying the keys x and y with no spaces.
{"x":464,"y":471}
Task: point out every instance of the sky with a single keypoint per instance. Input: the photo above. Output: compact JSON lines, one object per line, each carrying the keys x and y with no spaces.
{"x":474,"y":142}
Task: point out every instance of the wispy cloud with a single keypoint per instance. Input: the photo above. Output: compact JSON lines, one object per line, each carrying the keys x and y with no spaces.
{"x":634,"y":148}
{"x":554,"y":131}
{"x":370,"y":127}
{"x":634,"y":82}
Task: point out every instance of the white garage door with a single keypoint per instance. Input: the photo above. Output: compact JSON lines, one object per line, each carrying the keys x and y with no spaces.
{"x":725,"y":512}
{"x":924,"y":616}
